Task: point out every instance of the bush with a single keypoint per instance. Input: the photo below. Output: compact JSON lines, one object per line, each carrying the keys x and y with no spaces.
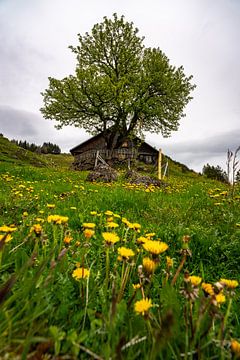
{"x":215,"y":172}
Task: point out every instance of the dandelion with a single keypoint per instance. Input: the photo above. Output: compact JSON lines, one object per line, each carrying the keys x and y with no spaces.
{"x":112,"y":225}
{"x":125,"y":253}
{"x":142,"y":306}
{"x":80,"y":273}
{"x":208,"y":289}
{"x":231,"y":284}
{"x":169,"y":262}
{"x":136,"y":286}
{"x":220,"y":298}
{"x":37,"y":229}
{"x":7,"y":229}
{"x":93,"y":212}
{"x":155,"y":247}
{"x":51,"y":206}
{"x":108,"y":213}
{"x":235,"y":347}
{"x":150,"y":235}
{"x":25,"y":214}
{"x":88,"y":225}
{"x":7,"y":238}
{"x":88,"y":233}
{"x":73,"y":208}
{"x":142,"y":240}
{"x":67,"y":239}
{"x":149,"y":265}
{"x":57,"y":219}
{"x":110,"y":238}
{"x":195,"y":280}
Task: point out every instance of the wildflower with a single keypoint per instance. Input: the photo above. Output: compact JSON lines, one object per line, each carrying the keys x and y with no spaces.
{"x":142,"y":306}
{"x":93,"y":212}
{"x":108,"y":213}
{"x":112,"y":225}
{"x":149,"y":265}
{"x":117,"y":216}
{"x":235,"y":347}
{"x":80,"y":273}
{"x":110,"y":238}
{"x":195,"y":280}
{"x":208,"y":288}
{"x":7,"y":238}
{"x":142,"y":240}
{"x":88,"y":225}
{"x":51,"y":206}
{"x":38,"y":219}
{"x":125,"y":253}
{"x":231,"y":284}
{"x":169,"y":262}
{"x":41,"y":211}
{"x":110,"y":218}
{"x":73,"y":208}
{"x":155,"y":247}
{"x":136,"y":226}
{"x":220,"y":298}
{"x":150,"y":235}
{"x":57,"y":219}
{"x":88,"y":233}
{"x":136,"y":286}
{"x":7,"y":229}
{"x":25,"y":214}
{"x":37,"y":229}
{"x":67,"y":239}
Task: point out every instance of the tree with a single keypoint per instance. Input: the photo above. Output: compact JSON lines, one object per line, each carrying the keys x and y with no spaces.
{"x":120,"y":87}
{"x":215,"y":172}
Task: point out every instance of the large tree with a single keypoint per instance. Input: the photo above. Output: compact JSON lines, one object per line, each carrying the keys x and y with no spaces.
{"x":120,"y":87}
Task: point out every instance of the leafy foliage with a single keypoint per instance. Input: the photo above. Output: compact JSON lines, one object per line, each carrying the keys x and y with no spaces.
{"x":215,"y":172}
{"x":119,"y":85}
{"x":46,"y":148}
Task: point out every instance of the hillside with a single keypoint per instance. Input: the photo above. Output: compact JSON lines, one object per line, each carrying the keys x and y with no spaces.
{"x":115,"y":271}
{"x":11,"y":153}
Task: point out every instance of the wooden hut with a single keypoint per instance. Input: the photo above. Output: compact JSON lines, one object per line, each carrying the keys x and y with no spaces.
{"x":86,"y":153}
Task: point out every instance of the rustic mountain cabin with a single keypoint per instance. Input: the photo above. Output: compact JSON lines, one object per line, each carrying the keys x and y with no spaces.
{"x":87,"y":153}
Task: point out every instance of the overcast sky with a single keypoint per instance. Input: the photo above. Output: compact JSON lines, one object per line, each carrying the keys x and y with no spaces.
{"x":201,"y":35}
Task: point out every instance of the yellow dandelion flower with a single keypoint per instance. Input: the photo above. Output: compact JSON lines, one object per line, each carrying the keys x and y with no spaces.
{"x":25,"y":214}
{"x":208,"y":288}
{"x":231,"y":284}
{"x":110,"y":238}
{"x":220,"y":298}
{"x":136,"y":226}
{"x":80,"y":273}
{"x":89,"y":225}
{"x":73,"y":208}
{"x":93,"y":212}
{"x":7,"y":229}
{"x":169,"y":262}
{"x":142,"y":306}
{"x":195,"y":280}
{"x":142,"y":240}
{"x":110,"y":218}
{"x":7,"y":238}
{"x":51,"y":206}
{"x":88,"y":233}
{"x":39,"y":219}
{"x":117,"y":216}
{"x":235,"y":347}
{"x":155,"y":247}
{"x":125,"y":253}
{"x":136,"y":286}
{"x":67,"y":239}
{"x":149,"y":265}
{"x":108,"y":213}
{"x":150,"y":235}
{"x":37,"y":229}
{"x":112,"y":225}
{"x":57,"y":219}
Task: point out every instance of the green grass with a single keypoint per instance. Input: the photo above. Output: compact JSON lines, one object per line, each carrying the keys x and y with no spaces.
{"x":44,"y":310}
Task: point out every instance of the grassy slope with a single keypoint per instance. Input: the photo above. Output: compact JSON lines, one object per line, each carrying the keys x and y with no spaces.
{"x":183,"y":207}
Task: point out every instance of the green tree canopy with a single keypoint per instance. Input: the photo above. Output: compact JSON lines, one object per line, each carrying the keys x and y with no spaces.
{"x":119,"y":85}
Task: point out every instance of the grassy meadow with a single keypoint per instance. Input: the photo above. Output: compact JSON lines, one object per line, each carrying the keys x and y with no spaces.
{"x":117,"y":271}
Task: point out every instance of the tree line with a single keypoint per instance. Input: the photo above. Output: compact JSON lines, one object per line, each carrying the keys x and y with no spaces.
{"x":45,"y":148}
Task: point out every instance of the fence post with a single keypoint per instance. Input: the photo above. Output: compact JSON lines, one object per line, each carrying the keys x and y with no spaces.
{"x":160,"y":164}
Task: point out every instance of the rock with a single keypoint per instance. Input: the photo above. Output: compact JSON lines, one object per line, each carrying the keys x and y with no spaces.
{"x":103,"y":173}
{"x":136,"y":178}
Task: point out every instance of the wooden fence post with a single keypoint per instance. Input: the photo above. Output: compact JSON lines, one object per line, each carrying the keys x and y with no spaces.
{"x":160,"y":164}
